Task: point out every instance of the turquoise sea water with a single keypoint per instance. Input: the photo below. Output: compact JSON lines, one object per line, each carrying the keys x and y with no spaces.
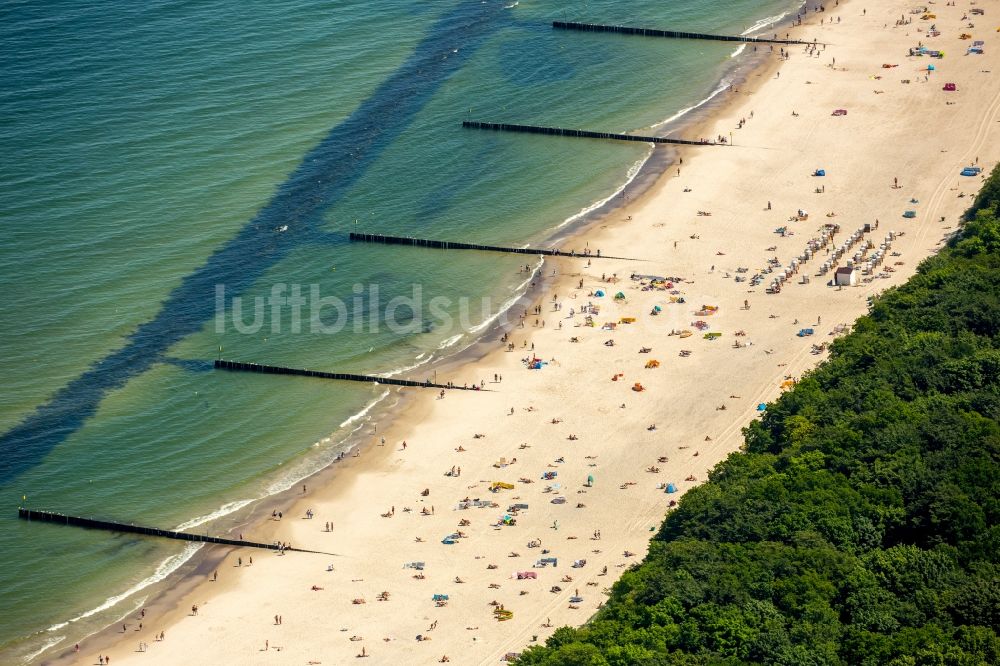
{"x":156,"y":150}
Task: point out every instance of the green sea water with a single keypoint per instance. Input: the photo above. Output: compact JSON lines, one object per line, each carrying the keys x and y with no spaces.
{"x":157,"y":152}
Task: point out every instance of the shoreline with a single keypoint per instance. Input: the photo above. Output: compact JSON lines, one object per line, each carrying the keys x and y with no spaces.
{"x":403,"y":421}
{"x":173,"y":599}
{"x":651,"y":175}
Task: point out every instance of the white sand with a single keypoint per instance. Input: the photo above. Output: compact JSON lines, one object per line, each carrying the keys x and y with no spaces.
{"x":907,"y":132}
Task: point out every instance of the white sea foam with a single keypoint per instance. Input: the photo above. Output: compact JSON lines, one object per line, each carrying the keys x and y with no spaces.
{"x":630,"y":175}
{"x":305,"y":468}
{"x":509,"y":303}
{"x":723,"y":85}
{"x":223,"y":510}
{"x":763,"y":23}
{"x":55,"y":640}
{"x":406,"y":368}
{"x":448,"y":342}
{"x":740,"y":49}
{"x":364,"y":412}
{"x":165,"y":568}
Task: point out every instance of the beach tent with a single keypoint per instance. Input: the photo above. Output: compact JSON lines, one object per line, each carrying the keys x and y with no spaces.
{"x":620,"y":295}
{"x":599,"y":293}
{"x":761,"y":407}
{"x":971,"y":171}
{"x":819,"y":172}
{"x":845,"y":276}
{"x":950,"y":86}
{"x":671,"y":488}
{"x":910,"y":214}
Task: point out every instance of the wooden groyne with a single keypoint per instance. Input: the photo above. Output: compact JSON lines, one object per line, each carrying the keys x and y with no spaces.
{"x":672,"y":34}
{"x":34,"y":515}
{"x":449,"y":245}
{"x":586,"y":134}
{"x":239,"y":366}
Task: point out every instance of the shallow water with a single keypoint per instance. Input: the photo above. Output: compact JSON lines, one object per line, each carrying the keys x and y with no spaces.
{"x":157,"y":150}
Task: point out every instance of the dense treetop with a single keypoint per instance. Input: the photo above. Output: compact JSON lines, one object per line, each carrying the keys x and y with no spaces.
{"x":861,"y":522}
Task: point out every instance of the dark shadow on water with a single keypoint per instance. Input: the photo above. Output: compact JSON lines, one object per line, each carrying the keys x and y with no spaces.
{"x":188,"y":364}
{"x":325,"y":174}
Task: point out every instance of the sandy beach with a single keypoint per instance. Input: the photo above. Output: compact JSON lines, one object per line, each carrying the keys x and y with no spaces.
{"x":708,"y":227}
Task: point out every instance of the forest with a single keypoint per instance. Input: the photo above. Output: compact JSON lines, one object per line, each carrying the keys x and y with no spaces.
{"x":860,"y":522}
